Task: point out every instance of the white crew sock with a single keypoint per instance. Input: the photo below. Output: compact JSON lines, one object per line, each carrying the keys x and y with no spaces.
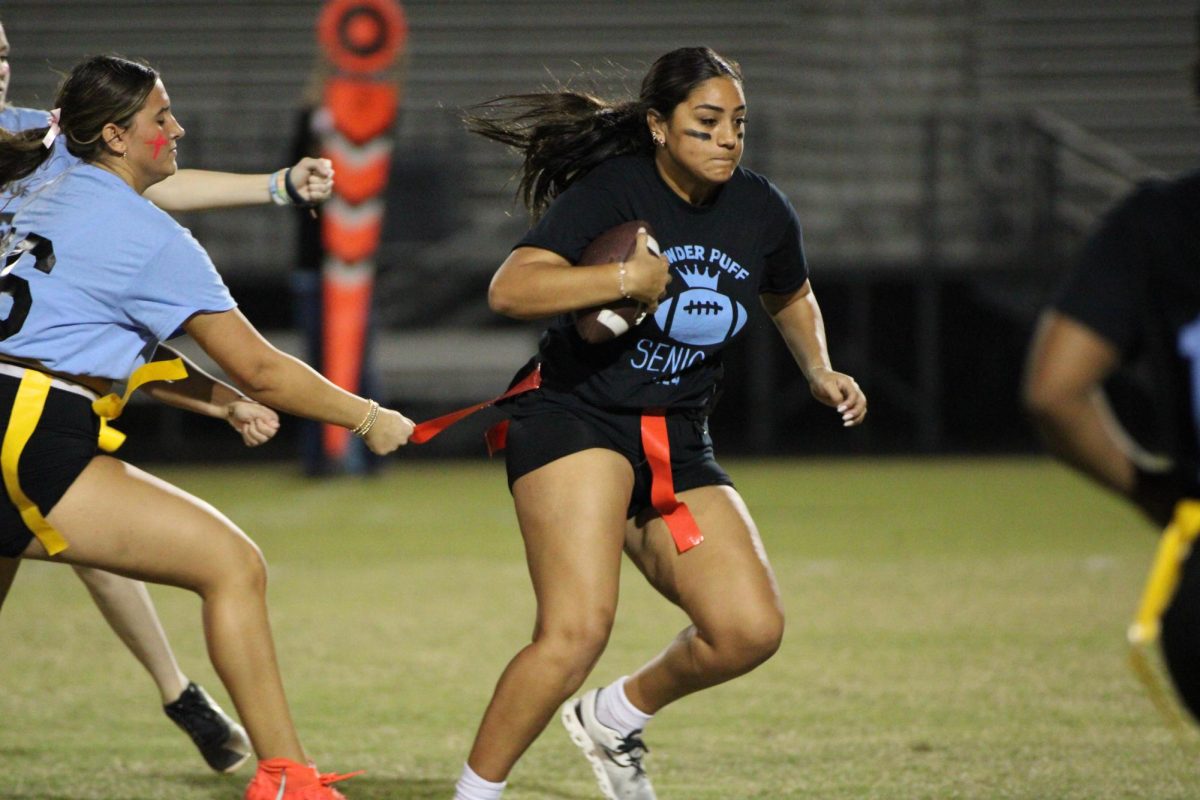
{"x":614,"y":710}
{"x":472,"y":787}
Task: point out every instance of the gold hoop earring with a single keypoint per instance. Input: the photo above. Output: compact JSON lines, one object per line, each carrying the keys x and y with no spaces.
{"x":116,"y":138}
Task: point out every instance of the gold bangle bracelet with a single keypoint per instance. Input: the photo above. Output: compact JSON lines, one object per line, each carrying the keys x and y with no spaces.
{"x":368,"y":422}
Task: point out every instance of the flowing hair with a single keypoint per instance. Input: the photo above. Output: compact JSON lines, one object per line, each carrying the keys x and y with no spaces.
{"x":562,"y":135}
{"x":99,"y":90}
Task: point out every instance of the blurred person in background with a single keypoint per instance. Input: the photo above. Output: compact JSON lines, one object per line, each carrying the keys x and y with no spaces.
{"x":1133,"y":299}
{"x":98,"y":278}
{"x":124,"y":602}
{"x":596,"y":455}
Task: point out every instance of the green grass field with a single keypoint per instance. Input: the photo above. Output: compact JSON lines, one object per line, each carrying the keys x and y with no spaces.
{"x":956,"y":630}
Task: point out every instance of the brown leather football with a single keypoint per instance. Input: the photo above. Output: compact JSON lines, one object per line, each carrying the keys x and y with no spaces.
{"x":601,"y":323}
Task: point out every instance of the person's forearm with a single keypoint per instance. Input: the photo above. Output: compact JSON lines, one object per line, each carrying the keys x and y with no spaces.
{"x":200,"y":190}
{"x":1083,"y":432}
{"x":536,"y":290}
{"x":803,"y":330}
{"x":268,"y":375}
{"x":288,"y":384}
{"x":199,"y":392}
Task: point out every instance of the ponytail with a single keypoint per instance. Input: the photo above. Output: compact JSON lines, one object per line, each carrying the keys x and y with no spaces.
{"x":99,"y":90}
{"x":562,"y":136}
{"x":21,"y":153}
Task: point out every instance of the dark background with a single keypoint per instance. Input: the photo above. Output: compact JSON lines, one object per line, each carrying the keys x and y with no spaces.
{"x":945,"y":157}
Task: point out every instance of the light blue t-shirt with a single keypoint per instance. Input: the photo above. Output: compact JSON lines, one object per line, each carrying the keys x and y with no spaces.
{"x":15,"y":119}
{"x":99,"y":276}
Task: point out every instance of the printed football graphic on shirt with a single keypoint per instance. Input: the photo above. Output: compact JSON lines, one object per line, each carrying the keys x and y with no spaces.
{"x":700,"y":315}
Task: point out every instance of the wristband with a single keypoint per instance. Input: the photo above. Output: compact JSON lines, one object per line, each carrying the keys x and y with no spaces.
{"x":274,"y":188}
{"x":277,"y":195}
{"x":295,"y":196}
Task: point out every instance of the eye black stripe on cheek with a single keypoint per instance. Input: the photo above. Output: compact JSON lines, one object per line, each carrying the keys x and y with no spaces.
{"x":701,"y":135}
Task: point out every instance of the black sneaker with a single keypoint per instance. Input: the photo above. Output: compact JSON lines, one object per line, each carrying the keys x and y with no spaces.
{"x":223,"y":743}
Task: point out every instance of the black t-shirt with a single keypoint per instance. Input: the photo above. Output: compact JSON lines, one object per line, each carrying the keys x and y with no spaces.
{"x":1137,"y":284}
{"x":722,"y":256}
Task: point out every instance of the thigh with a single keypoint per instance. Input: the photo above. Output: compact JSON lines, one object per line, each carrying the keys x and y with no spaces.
{"x":724,"y":577}
{"x":572,"y":517}
{"x":119,"y":518}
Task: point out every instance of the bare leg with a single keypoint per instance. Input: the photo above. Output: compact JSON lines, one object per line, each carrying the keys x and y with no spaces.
{"x":127,"y":607}
{"x":726,"y":587}
{"x":120,"y":519}
{"x":572,"y":517}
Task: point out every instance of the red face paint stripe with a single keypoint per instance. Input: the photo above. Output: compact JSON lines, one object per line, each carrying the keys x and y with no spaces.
{"x":158,"y":143}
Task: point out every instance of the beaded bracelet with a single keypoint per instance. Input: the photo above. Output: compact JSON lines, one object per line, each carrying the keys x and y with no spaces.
{"x":621,"y":280}
{"x":368,"y":422}
{"x":278,"y":197}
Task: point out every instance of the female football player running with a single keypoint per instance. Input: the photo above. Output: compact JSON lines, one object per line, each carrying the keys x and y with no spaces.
{"x":613,"y":452}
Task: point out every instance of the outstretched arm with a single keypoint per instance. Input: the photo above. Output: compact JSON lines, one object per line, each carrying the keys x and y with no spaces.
{"x":203,"y":394}
{"x":798,"y":318}
{"x":281,"y":381}
{"x":202,"y":190}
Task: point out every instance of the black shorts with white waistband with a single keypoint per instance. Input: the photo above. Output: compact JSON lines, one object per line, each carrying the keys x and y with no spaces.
{"x":62,"y":445}
{"x":546,"y":425}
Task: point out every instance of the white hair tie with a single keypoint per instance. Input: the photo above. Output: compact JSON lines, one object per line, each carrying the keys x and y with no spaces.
{"x":54,"y":130}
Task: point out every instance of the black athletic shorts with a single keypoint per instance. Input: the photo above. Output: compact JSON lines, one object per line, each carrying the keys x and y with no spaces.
{"x":62,"y":445}
{"x":547,"y":425}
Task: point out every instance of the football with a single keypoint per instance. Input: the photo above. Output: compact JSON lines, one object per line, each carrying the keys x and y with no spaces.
{"x":601,"y":323}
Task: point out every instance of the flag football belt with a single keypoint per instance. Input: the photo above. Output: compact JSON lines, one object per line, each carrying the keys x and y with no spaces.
{"x":1165,"y":573}
{"x":111,"y":405}
{"x":27,"y":410}
{"x":497,"y":435}
{"x":680,"y":522}
{"x":657,"y":447}
{"x":1173,"y":548}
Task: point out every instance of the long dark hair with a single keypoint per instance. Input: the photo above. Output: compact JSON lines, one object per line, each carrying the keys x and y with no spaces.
{"x":98,"y":91}
{"x":564,"y":134}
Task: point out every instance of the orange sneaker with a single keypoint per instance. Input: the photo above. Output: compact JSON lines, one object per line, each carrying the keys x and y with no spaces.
{"x":283,"y":779}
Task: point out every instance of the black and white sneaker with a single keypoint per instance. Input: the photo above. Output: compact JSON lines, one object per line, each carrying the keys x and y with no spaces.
{"x":223,"y":743}
{"x":616,"y":760}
